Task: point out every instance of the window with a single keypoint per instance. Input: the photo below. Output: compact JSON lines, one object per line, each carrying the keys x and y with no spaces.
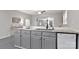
{"x":27,"y":22}
{"x":22,"y":21}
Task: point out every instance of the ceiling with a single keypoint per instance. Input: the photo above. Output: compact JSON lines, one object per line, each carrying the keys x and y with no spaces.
{"x":35,"y":12}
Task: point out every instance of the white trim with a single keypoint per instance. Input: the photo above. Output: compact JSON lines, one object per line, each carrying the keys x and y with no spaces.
{"x":19,"y":47}
{"x":5,"y":36}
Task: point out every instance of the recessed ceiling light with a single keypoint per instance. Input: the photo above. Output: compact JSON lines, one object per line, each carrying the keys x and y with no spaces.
{"x":39,"y":13}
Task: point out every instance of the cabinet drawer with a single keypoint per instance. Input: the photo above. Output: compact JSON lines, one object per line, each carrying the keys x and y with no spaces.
{"x":24,"y":32}
{"x":36,"y":33}
{"x":49,"y":34}
{"x":25,"y":36}
{"x":47,"y":38}
{"x":35,"y":37}
{"x":17,"y":31}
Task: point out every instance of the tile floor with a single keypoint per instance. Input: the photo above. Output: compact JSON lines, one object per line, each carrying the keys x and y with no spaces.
{"x":6,"y":43}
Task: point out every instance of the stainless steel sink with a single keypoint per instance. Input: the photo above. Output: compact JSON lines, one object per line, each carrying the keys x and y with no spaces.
{"x":44,"y":29}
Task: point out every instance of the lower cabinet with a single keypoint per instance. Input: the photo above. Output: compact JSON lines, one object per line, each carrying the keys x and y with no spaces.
{"x":17,"y":42}
{"x":35,"y":42}
{"x":17,"y":38}
{"x":25,"y":39}
{"x":48,"y":43}
{"x":44,"y":40}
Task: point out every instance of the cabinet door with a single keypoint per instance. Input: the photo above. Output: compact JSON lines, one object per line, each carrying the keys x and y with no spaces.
{"x":17,"y":38}
{"x":66,"y":41}
{"x":25,"y":41}
{"x":36,"y":42}
{"x":49,"y":43}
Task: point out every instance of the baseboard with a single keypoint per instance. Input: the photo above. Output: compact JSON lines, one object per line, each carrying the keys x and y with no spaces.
{"x":5,"y":36}
{"x":18,"y":47}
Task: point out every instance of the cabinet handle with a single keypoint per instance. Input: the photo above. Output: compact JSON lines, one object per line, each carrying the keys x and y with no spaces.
{"x":20,"y":35}
{"x":44,"y":42}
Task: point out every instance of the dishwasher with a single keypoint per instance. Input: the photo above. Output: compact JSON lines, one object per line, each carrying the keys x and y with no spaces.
{"x":66,"y":41}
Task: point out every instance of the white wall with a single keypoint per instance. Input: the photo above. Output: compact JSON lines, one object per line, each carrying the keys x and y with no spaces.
{"x":73,"y":19}
{"x":15,"y":13}
{"x":58,"y":19}
{"x":5,"y":21}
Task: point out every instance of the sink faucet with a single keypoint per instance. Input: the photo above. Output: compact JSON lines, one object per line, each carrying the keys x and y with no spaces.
{"x":47,"y":24}
{"x":50,"y":24}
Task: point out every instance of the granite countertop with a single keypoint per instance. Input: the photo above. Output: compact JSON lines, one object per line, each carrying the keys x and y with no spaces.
{"x":56,"y":29}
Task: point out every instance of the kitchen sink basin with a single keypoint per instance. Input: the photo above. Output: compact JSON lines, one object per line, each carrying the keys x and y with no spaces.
{"x":44,"y":29}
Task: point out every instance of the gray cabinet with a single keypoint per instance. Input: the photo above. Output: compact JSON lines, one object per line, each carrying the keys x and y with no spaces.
{"x":35,"y":39}
{"x":35,"y":42}
{"x":49,"y":43}
{"x":44,"y":40}
{"x":25,"y":39}
{"x":17,"y":38}
{"x":49,"y":40}
{"x":49,"y":34}
{"x":66,"y":41}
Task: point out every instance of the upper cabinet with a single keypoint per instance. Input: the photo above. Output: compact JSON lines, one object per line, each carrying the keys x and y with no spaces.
{"x":65,"y":17}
